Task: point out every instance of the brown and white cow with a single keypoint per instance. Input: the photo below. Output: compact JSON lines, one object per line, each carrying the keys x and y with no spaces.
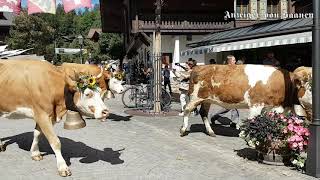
{"x":239,"y":86}
{"x":302,"y":78}
{"x":41,"y":91}
{"x":107,"y":83}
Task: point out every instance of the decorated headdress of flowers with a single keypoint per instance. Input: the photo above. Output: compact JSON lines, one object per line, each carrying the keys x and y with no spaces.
{"x":87,"y":81}
{"x":119,"y":75}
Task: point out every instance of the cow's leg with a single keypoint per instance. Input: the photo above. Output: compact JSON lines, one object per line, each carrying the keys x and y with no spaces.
{"x":187,"y":110}
{"x":278,"y":109}
{"x":255,"y":111}
{"x":204,"y":110}
{"x":35,"y":153}
{"x":1,"y":146}
{"x":46,"y":126}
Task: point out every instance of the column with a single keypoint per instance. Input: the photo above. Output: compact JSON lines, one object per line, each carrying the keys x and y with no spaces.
{"x":263,"y":9}
{"x":253,"y":9}
{"x":176,"y":52}
{"x":283,"y":8}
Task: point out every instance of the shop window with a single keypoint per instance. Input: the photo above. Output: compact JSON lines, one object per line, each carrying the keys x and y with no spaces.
{"x":166,"y":58}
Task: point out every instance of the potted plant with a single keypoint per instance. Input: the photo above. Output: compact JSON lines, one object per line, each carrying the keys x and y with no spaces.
{"x":278,"y":138}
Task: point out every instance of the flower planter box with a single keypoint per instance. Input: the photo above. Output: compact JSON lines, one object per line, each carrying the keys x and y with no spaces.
{"x":271,"y":159}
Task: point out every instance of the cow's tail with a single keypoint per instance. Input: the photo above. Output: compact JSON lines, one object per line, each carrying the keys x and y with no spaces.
{"x":291,"y":97}
{"x":193,"y":80}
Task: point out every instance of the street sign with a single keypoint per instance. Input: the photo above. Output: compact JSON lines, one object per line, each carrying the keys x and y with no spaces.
{"x":69,"y":51}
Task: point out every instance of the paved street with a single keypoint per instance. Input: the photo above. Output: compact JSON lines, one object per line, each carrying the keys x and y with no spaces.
{"x":127,"y":147}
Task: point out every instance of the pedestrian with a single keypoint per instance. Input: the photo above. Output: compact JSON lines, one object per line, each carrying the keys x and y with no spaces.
{"x":184,"y":84}
{"x":271,"y":60}
{"x":212,"y":61}
{"x":242,"y":60}
{"x":231,"y":61}
{"x":166,"y":78}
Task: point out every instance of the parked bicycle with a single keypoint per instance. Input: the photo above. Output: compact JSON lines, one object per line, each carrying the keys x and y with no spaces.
{"x":141,"y":96}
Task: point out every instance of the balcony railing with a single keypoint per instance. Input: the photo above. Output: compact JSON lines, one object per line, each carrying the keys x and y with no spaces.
{"x":180,"y":26}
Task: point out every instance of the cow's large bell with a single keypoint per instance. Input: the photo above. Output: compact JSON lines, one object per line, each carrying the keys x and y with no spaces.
{"x":74,"y":121}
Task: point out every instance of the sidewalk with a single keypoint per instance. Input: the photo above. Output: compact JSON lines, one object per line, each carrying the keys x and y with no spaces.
{"x":127,"y":147}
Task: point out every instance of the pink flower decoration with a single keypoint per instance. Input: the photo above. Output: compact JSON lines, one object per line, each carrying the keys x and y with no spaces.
{"x":295,"y":145}
{"x":301,"y":148}
{"x":290,"y":127}
{"x":291,"y":139}
{"x":298,"y":121}
{"x":307,"y":133}
{"x":305,"y":143}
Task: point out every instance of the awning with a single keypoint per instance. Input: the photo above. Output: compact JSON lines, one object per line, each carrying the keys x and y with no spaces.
{"x":296,"y":38}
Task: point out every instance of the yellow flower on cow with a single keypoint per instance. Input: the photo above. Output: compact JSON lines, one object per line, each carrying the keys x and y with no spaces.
{"x":92,"y":81}
{"x":118,"y":76}
{"x":87,"y":81}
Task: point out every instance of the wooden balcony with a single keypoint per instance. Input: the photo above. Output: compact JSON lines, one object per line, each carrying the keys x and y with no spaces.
{"x":180,"y":26}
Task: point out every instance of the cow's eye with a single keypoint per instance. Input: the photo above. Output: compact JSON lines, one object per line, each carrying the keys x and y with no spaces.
{"x":90,"y":94}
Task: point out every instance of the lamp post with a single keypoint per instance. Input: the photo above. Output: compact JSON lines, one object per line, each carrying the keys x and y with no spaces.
{"x":157,"y":56}
{"x":80,"y":38}
{"x":313,"y":160}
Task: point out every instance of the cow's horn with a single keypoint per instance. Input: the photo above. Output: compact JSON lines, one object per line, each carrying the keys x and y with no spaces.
{"x":101,"y":73}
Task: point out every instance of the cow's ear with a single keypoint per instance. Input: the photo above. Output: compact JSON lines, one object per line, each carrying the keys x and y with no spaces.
{"x":71,"y":84}
{"x":301,"y":75}
{"x":107,"y":75}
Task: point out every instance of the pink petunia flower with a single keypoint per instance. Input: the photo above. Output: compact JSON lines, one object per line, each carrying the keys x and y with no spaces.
{"x":307,"y":133}
{"x":290,"y":127}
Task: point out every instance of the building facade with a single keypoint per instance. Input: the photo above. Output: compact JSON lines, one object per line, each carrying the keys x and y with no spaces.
{"x":184,"y":22}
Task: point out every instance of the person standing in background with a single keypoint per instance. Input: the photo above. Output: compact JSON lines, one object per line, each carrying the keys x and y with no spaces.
{"x":166,"y":78}
{"x":184,"y":84}
{"x":271,"y":60}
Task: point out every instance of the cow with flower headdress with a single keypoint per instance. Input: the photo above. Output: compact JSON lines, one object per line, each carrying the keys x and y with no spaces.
{"x":109,"y":83}
{"x":40,"y":90}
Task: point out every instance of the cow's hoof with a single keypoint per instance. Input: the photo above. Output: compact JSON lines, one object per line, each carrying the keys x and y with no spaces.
{"x":37,"y":157}
{"x":212,"y":134}
{"x":2,"y":148}
{"x":183,"y":132}
{"x":65,"y":171}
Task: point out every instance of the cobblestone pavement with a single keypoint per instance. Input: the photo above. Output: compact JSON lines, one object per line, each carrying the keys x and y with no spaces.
{"x":127,"y":147}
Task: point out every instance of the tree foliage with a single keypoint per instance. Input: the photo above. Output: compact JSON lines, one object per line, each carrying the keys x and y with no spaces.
{"x":43,"y":32}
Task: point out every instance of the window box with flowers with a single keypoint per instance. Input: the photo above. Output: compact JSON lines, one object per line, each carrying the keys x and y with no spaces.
{"x":277,"y":137}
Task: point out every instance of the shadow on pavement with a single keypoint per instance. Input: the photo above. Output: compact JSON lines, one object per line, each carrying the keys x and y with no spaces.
{"x":70,"y":149}
{"x":218,"y":130}
{"x":115,"y":117}
{"x":221,"y":120}
{"x":247,"y":153}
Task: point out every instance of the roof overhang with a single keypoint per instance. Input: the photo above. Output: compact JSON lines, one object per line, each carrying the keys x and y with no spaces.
{"x":137,"y":41}
{"x":294,"y":38}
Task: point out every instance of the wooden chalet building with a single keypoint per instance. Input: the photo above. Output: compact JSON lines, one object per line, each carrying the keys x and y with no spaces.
{"x":183,"y":22}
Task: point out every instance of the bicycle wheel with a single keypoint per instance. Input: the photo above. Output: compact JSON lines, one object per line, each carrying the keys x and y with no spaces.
{"x":165,"y":98}
{"x":129,"y":97}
